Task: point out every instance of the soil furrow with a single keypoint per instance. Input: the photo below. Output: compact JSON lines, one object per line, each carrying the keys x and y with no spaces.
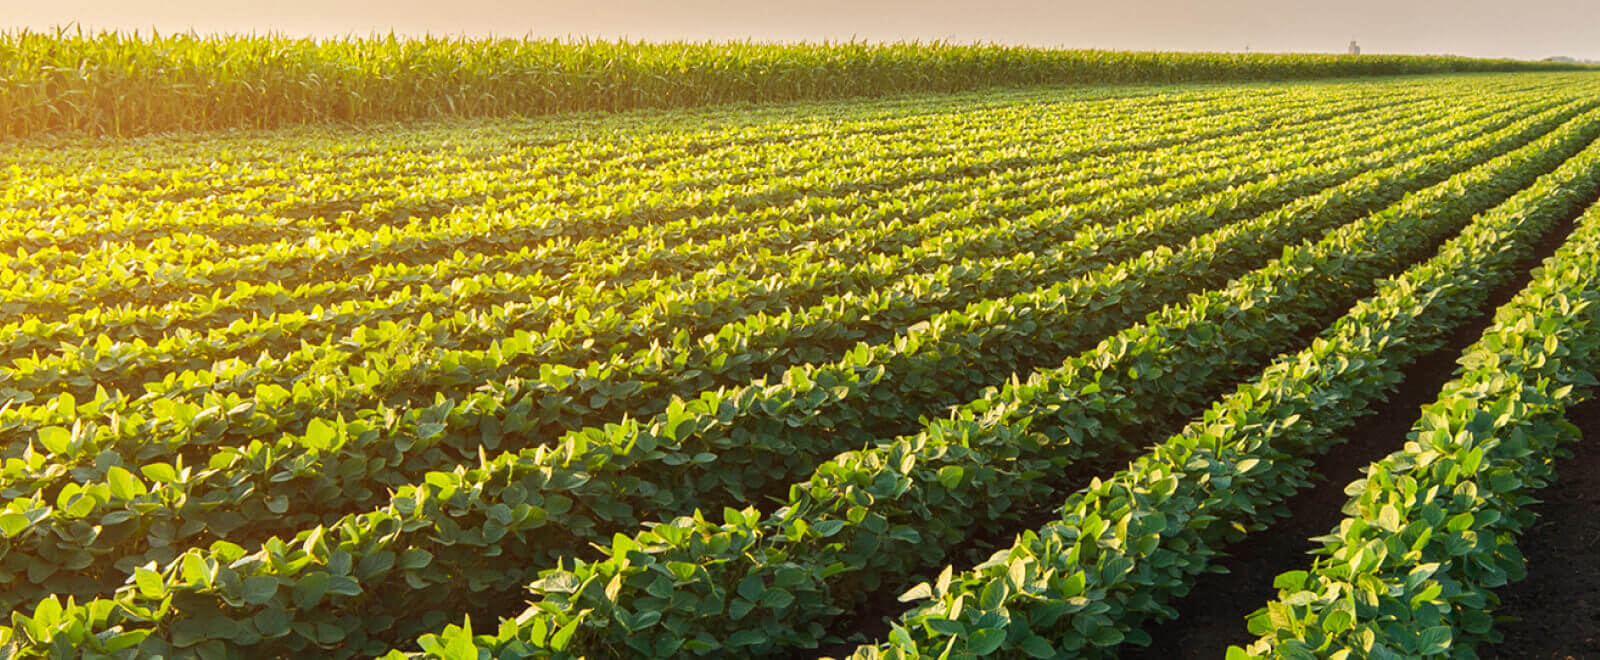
{"x":1212,"y":616}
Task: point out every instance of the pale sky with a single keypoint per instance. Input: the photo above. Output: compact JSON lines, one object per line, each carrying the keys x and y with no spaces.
{"x":1485,"y":28}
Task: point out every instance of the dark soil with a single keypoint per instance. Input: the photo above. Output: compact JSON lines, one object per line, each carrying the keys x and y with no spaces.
{"x":1213,"y":615}
{"x":1559,"y":603}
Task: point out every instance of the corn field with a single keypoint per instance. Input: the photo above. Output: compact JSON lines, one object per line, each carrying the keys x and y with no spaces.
{"x":120,"y":84}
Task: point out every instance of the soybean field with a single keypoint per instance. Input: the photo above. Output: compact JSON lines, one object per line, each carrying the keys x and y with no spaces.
{"x":1004,"y":372}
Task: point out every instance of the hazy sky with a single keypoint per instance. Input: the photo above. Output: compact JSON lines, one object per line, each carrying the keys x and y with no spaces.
{"x":1504,"y":28}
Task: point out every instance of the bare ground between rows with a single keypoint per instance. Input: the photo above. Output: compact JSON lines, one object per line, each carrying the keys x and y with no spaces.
{"x":1558,"y":605}
{"x":1212,"y":616}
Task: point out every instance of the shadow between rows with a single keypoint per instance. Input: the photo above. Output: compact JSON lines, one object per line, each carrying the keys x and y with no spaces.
{"x":1212,"y":616}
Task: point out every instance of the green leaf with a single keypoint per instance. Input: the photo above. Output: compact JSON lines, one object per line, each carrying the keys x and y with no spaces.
{"x":328,"y":633}
{"x":684,"y":570}
{"x":1435,"y":640}
{"x":640,"y":621}
{"x":12,"y":524}
{"x":309,"y":590}
{"x":150,"y":583}
{"x":272,"y":622}
{"x":787,"y":576}
{"x":1338,"y":621}
{"x":55,"y":439}
{"x":1017,"y":573}
{"x":47,"y":613}
{"x":950,"y":476}
{"x":344,"y":585}
{"x":1074,"y":585}
{"x":195,"y":570}
{"x":919,"y":592}
{"x":116,"y":517}
{"x":81,"y":505}
{"x":747,"y":637}
{"x":375,"y":563}
{"x":563,"y":636}
{"x":188,"y":632}
{"x":559,"y":582}
{"x":124,"y":641}
{"x":160,"y":473}
{"x":340,"y":562}
{"x":777,"y":599}
{"x":946,"y":627}
{"x":414,"y":558}
{"x":1107,"y":636}
{"x":1389,"y":517}
{"x":278,"y":503}
{"x":751,"y":588}
{"x":259,"y":589}
{"x":123,"y":484}
{"x":1290,"y":581}
{"x":459,"y":647}
{"x":621,"y":544}
{"x":986,"y":641}
{"x":900,"y":639}
{"x":994,"y":594}
{"x":1038,"y":647}
{"x":320,"y":435}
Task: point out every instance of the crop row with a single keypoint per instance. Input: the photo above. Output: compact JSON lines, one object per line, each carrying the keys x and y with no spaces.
{"x":127,"y":361}
{"x":289,"y":183}
{"x":442,"y":492}
{"x":599,"y":331}
{"x":253,"y":298}
{"x":1433,"y":527}
{"x":1008,"y":197}
{"x":257,"y":219}
{"x":320,"y":204}
{"x":320,"y":169}
{"x":871,"y":517}
{"x":323,"y":184}
{"x":368,"y":459}
{"x":154,"y":171}
{"x":1123,"y":547}
{"x":323,"y":479}
{"x":303,"y":394}
{"x":621,"y":220}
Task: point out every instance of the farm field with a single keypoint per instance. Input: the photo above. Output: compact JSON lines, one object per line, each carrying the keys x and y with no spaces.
{"x":1014,"y":372}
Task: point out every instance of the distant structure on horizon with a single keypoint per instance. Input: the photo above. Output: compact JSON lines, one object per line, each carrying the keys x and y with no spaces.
{"x":1354,"y":49}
